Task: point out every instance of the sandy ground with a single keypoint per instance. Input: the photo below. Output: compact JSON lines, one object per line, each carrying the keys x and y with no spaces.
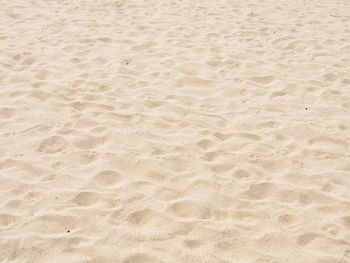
{"x":175,"y":131}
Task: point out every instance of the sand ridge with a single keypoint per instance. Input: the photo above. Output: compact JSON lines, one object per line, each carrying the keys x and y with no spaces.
{"x":175,"y":131}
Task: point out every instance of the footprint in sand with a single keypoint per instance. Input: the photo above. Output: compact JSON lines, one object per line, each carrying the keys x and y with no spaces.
{"x":189,"y":209}
{"x":52,"y":145}
{"x":107,"y":178}
{"x":7,"y":113}
{"x":86,"y":198}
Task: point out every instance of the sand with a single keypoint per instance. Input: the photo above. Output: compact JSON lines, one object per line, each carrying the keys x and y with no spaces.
{"x":175,"y":131}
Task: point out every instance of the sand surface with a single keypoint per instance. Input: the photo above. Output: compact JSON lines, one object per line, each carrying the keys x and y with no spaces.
{"x":175,"y":131}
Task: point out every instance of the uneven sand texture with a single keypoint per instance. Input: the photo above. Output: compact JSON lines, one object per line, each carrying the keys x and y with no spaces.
{"x":175,"y":131}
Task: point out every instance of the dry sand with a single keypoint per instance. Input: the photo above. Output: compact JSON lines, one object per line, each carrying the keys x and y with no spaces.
{"x":175,"y":131}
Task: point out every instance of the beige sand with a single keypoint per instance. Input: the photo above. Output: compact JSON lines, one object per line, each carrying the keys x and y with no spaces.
{"x":175,"y":131}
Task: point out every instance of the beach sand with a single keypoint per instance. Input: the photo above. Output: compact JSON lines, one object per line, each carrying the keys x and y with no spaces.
{"x":175,"y":131}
